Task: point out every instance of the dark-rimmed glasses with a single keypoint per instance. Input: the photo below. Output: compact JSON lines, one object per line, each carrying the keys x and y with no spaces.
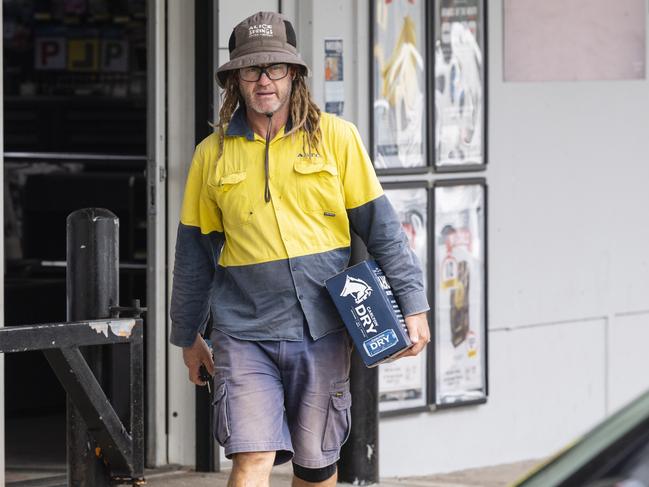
{"x":274,"y":72}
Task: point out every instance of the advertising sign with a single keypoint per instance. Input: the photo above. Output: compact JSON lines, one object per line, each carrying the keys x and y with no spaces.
{"x":459,"y":85}
{"x":460,"y":292}
{"x":608,"y":38}
{"x":403,"y":383}
{"x":334,"y":92}
{"x":399,"y":84}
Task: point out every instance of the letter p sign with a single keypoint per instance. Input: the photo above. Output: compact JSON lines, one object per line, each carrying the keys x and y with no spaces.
{"x":49,"y":53}
{"x":114,"y":56}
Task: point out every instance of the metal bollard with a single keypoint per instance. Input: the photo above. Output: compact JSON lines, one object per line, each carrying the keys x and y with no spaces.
{"x":359,"y":459}
{"x":92,"y":289}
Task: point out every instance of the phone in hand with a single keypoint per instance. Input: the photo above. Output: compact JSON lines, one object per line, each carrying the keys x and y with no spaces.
{"x":203,"y":374}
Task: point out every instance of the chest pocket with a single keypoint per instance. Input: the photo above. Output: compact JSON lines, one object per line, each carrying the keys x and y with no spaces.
{"x":318,"y":187}
{"x":231,"y":196}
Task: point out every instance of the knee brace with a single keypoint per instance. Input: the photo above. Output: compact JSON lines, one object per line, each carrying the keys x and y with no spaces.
{"x":314,"y":474}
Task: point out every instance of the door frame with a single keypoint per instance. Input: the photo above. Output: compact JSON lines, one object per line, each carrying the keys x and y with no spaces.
{"x":2,"y":262}
{"x":156,"y":278}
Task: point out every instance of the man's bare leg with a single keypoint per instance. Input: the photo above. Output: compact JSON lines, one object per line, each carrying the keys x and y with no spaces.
{"x":330,"y":482}
{"x":251,"y":469}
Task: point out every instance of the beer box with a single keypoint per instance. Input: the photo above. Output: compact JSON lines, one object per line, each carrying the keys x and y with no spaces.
{"x":370,"y":312}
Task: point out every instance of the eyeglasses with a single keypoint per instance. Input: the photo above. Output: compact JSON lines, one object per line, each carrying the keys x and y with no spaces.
{"x":274,"y":72}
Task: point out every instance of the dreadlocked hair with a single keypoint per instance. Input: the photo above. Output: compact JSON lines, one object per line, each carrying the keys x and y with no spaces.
{"x":304,"y":113}
{"x":230,"y":99}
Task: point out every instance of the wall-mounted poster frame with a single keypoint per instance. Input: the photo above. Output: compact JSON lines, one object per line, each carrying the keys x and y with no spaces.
{"x":460,"y":328}
{"x":460,"y":82}
{"x":401,"y":123}
{"x":404,"y":385}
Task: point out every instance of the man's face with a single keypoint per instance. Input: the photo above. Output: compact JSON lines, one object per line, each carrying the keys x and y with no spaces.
{"x":267,"y":96}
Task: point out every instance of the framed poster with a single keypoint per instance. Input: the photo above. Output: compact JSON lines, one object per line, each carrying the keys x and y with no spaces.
{"x":399,"y":119}
{"x":460,"y":85}
{"x":460,"y":309}
{"x":403,"y":384}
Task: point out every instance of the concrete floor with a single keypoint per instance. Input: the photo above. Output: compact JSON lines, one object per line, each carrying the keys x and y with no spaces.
{"x":497,"y":476}
{"x":34,"y":457}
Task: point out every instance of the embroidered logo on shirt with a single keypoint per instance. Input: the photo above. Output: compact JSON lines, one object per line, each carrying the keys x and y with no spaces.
{"x":261,"y":30}
{"x":358,"y":288}
{"x":309,"y":155}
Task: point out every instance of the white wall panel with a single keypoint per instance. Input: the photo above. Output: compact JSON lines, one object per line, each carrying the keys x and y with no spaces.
{"x":180,"y":137}
{"x":628,"y":337}
{"x":333,"y":19}
{"x":156,"y":333}
{"x":628,"y":227}
{"x":546,"y":387}
{"x":567,"y":239}
{"x":2,"y":273}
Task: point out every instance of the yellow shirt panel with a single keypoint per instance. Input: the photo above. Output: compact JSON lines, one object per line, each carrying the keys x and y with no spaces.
{"x":198,"y":208}
{"x":310,"y":193}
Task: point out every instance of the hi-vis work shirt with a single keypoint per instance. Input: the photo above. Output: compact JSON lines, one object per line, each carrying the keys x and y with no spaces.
{"x":259,"y":267}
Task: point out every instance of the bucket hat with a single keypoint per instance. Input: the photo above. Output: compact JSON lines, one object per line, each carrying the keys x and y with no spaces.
{"x":262,"y":38}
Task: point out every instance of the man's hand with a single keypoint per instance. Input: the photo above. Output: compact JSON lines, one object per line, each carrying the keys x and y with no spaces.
{"x":195,"y":356}
{"x":419,"y":334}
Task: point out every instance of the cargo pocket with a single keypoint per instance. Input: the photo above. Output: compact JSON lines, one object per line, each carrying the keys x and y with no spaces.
{"x":221,"y":413}
{"x":318,"y":187}
{"x":339,"y":418}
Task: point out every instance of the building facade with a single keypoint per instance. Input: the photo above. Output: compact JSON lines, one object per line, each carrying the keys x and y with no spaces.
{"x":568,"y":269}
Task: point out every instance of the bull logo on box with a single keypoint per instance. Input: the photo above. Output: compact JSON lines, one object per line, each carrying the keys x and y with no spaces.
{"x":358,"y":288}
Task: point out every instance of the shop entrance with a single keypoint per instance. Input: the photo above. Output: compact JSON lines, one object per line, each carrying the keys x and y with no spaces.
{"x":75,"y":133}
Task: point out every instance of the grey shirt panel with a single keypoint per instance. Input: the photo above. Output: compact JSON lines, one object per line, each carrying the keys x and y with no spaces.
{"x":272,"y":300}
{"x":379,"y":227}
{"x":195,"y":261}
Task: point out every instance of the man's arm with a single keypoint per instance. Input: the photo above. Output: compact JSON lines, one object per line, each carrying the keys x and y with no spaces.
{"x":195,"y":261}
{"x":198,"y":245}
{"x":377,"y":224}
{"x":373,"y":218}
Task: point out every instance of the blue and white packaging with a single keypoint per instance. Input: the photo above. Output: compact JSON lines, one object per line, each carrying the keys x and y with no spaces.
{"x":370,"y":312}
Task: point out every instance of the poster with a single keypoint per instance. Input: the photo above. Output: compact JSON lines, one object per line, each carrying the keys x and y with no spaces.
{"x":460,"y":295}
{"x":459,"y":85}
{"x":399,"y":84}
{"x":402,"y":384}
{"x":334,"y":92}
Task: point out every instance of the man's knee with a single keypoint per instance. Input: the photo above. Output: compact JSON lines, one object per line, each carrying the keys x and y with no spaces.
{"x":256,"y":461}
{"x":314,"y":475}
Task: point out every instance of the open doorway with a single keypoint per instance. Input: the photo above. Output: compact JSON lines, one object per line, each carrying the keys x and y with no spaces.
{"x":75,"y":132}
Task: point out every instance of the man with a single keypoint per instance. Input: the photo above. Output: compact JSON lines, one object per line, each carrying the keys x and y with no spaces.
{"x":265,"y":220}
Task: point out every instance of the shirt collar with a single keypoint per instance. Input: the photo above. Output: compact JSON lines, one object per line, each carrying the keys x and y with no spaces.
{"x":238,"y":126}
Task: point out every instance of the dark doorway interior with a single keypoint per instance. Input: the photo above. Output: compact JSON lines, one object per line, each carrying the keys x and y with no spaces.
{"x":75,"y":136}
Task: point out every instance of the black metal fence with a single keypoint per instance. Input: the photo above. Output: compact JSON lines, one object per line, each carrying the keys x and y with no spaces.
{"x":119,"y":449}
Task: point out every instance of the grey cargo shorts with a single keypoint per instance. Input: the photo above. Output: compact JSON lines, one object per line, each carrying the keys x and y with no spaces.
{"x":284,"y":396}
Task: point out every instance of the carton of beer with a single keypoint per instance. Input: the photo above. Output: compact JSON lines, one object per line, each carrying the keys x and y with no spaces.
{"x":370,"y":312}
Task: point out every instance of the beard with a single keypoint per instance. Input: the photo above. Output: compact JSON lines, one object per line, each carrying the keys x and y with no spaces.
{"x":273,"y":104}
